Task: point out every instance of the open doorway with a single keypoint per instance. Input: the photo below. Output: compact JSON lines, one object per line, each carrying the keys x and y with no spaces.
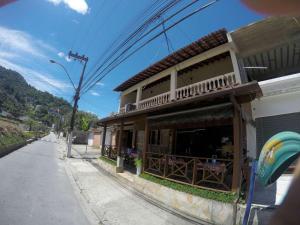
{"x":204,"y":142}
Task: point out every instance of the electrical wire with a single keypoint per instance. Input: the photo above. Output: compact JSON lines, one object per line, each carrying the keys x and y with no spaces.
{"x":144,"y":44}
{"x":140,"y":38}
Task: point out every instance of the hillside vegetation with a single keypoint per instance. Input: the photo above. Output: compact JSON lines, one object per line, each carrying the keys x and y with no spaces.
{"x":20,"y":99}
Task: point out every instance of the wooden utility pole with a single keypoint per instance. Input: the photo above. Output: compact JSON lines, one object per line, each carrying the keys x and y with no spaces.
{"x":76,"y":97}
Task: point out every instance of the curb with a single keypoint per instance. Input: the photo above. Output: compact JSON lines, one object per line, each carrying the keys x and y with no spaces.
{"x":84,"y":203}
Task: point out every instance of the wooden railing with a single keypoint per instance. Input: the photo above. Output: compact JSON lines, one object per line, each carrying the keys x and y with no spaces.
{"x":202,"y":87}
{"x":196,"y":171}
{"x":110,"y":152}
{"x":155,"y":101}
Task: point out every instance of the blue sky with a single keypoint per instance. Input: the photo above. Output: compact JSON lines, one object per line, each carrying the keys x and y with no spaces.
{"x":34,"y":31}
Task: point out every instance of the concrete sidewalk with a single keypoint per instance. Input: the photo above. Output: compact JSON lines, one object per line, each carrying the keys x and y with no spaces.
{"x":110,"y":201}
{"x":86,"y":152}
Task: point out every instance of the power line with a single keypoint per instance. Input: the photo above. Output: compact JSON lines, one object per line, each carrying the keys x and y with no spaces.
{"x":134,"y":34}
{"x":136,"y":41}
{"x":144,"y":44}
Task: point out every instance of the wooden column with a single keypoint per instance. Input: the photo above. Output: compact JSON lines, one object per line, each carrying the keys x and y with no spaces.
{"x":146,"y":139}
{"x":103,"y":140}
{"x":237,"y":155}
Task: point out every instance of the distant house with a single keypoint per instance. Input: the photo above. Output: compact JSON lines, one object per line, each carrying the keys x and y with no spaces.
{"x":198,"y":115}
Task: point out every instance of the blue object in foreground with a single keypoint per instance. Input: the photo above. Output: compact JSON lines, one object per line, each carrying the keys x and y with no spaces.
{"x":251,"y":192}
{"x":277,"y":155}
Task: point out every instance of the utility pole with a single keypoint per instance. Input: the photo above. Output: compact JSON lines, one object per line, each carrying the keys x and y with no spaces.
{"x":76,"y":98}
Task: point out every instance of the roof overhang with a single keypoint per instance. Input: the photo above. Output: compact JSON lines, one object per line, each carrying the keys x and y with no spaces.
{"x":202,"y":45}
{"x":243,"y":93}
{"x":265,"y":34}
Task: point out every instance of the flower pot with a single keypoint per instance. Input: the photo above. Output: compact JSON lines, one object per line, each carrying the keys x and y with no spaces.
{"x":138,"y":170}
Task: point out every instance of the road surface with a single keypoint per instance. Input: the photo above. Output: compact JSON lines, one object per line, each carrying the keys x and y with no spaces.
{"x":35,"y":189}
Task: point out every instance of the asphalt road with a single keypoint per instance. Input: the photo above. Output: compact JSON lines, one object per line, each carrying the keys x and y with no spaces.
{"x":35,"y":189}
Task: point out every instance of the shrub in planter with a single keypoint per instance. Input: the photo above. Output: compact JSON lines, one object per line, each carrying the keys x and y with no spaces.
{"x":138,"y":163}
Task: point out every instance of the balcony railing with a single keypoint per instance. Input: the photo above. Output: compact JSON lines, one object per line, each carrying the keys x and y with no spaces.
{"x":202,"y":87}
{"x":155,"y":101}
{"x":214,"y":84}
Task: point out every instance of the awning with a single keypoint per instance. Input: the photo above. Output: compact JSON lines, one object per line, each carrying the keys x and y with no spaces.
{"x":195,"y":116}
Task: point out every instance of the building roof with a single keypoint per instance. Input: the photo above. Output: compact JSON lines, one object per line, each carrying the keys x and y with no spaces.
{"x":205,"y":43}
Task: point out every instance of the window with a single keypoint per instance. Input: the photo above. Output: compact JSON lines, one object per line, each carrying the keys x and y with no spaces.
{"x":154,"y":138}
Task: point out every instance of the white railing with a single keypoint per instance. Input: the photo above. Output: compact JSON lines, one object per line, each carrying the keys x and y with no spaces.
{"x":202,"y":87}
{"x":154,"y":101}
{"x":216,"y":83}
{"x":122,"y":110}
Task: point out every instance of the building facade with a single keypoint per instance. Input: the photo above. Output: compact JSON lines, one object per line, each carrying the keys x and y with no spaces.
{"x":198,"y":115}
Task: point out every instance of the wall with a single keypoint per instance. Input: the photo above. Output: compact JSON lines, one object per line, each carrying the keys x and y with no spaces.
{"x":276,"y":105}
{"x":129,"y":98}
{"x":90,"y":139}
{"x":156,"y":90}
{"x":217,"y":68}
{"x":278,"y":109}
{"x":97,"y":140}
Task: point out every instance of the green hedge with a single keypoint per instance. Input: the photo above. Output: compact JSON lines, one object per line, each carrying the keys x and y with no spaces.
{"x":110,"y":161}
{"x":208,"y":194}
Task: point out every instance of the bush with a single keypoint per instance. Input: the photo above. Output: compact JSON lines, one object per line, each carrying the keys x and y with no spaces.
{"x":208,"y":194}
{"x":8,"y":140}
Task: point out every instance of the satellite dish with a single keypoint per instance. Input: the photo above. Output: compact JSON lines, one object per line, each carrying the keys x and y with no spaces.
{"x":278,"y":153}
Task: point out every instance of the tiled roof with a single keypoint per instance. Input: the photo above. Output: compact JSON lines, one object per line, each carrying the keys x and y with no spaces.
{"x":205,"y":43}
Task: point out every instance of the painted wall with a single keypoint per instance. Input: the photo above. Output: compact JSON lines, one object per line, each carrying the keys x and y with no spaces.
{"x":90,"y":139}
{"x":211,"y":70}
{"x":156,"y":90}
{"x":276,"y":105}
{"x":281,"y":96}
{"x":129,"y":98}
{"x":97,"y":140}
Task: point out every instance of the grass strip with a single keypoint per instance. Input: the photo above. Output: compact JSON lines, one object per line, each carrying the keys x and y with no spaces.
{"x":203,"y":193}
{"x":109,"y":161}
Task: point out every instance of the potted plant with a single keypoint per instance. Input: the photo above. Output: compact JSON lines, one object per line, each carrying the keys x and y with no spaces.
{"x":138,"y":164}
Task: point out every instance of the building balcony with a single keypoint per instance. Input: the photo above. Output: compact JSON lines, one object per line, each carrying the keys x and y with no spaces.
{"x":217,"y":83}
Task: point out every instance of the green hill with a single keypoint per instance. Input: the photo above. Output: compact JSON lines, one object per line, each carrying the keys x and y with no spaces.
{"x":20,"y":99}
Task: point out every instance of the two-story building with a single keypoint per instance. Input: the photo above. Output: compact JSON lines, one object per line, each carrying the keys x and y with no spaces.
{"x":195,"y":116}
{"x":184,"y":116}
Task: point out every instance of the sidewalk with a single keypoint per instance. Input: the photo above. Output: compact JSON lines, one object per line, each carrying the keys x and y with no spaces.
{"x":87,"y":152}
{"x":111,"y":202}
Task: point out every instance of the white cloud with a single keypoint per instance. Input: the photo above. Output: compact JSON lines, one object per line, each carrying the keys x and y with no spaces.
{"x":100,"y":84}
{"x":68,"y":59}
{"x":79,"y":6}
{"x":18,"y":41}
{"x":61,"y":54}
{"x":95,"y":93}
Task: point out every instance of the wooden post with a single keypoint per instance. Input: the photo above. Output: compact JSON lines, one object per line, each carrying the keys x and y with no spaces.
{"x":103,"y":140}
{"x":237,"y":154}
{"x":146,"y":139}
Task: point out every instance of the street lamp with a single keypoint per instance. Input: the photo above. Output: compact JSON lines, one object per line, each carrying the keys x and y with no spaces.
{"x":54,"y":62}
{"x":81,"y":58}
